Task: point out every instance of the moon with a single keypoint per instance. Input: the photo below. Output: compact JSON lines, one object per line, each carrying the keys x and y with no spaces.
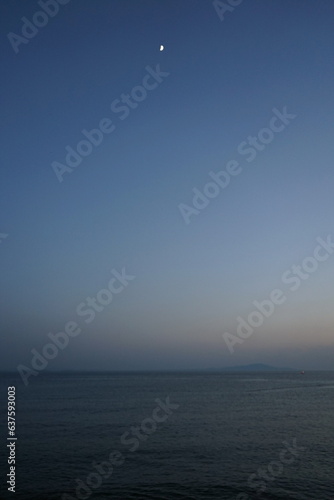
{"x":161,"y":48}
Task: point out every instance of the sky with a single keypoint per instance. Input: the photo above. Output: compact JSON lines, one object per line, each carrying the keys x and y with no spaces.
{"x":188,"y":265}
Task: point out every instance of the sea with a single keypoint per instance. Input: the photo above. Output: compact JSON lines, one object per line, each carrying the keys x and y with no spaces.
{"x":161,"y":436}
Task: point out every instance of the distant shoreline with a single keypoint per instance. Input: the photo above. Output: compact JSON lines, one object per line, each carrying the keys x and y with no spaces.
{"x":174,"y":371}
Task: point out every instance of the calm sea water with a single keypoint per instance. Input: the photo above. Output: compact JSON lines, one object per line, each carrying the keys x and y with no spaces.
{"x":222,"y":433}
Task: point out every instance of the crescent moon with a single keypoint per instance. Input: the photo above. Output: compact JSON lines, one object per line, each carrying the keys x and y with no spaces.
{"x":161,"y":48}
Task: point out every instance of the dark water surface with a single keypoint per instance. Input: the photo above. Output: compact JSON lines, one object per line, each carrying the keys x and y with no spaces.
{"x":228,"y":430}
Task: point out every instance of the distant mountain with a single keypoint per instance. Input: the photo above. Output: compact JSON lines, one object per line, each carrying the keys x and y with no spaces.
{"x":258,"y":367}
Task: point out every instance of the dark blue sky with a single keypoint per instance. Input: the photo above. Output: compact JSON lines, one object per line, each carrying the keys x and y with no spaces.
{"x":119,"y":208}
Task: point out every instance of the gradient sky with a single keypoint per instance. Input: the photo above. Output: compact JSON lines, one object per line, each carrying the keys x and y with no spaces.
{"x":119,"y":207}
